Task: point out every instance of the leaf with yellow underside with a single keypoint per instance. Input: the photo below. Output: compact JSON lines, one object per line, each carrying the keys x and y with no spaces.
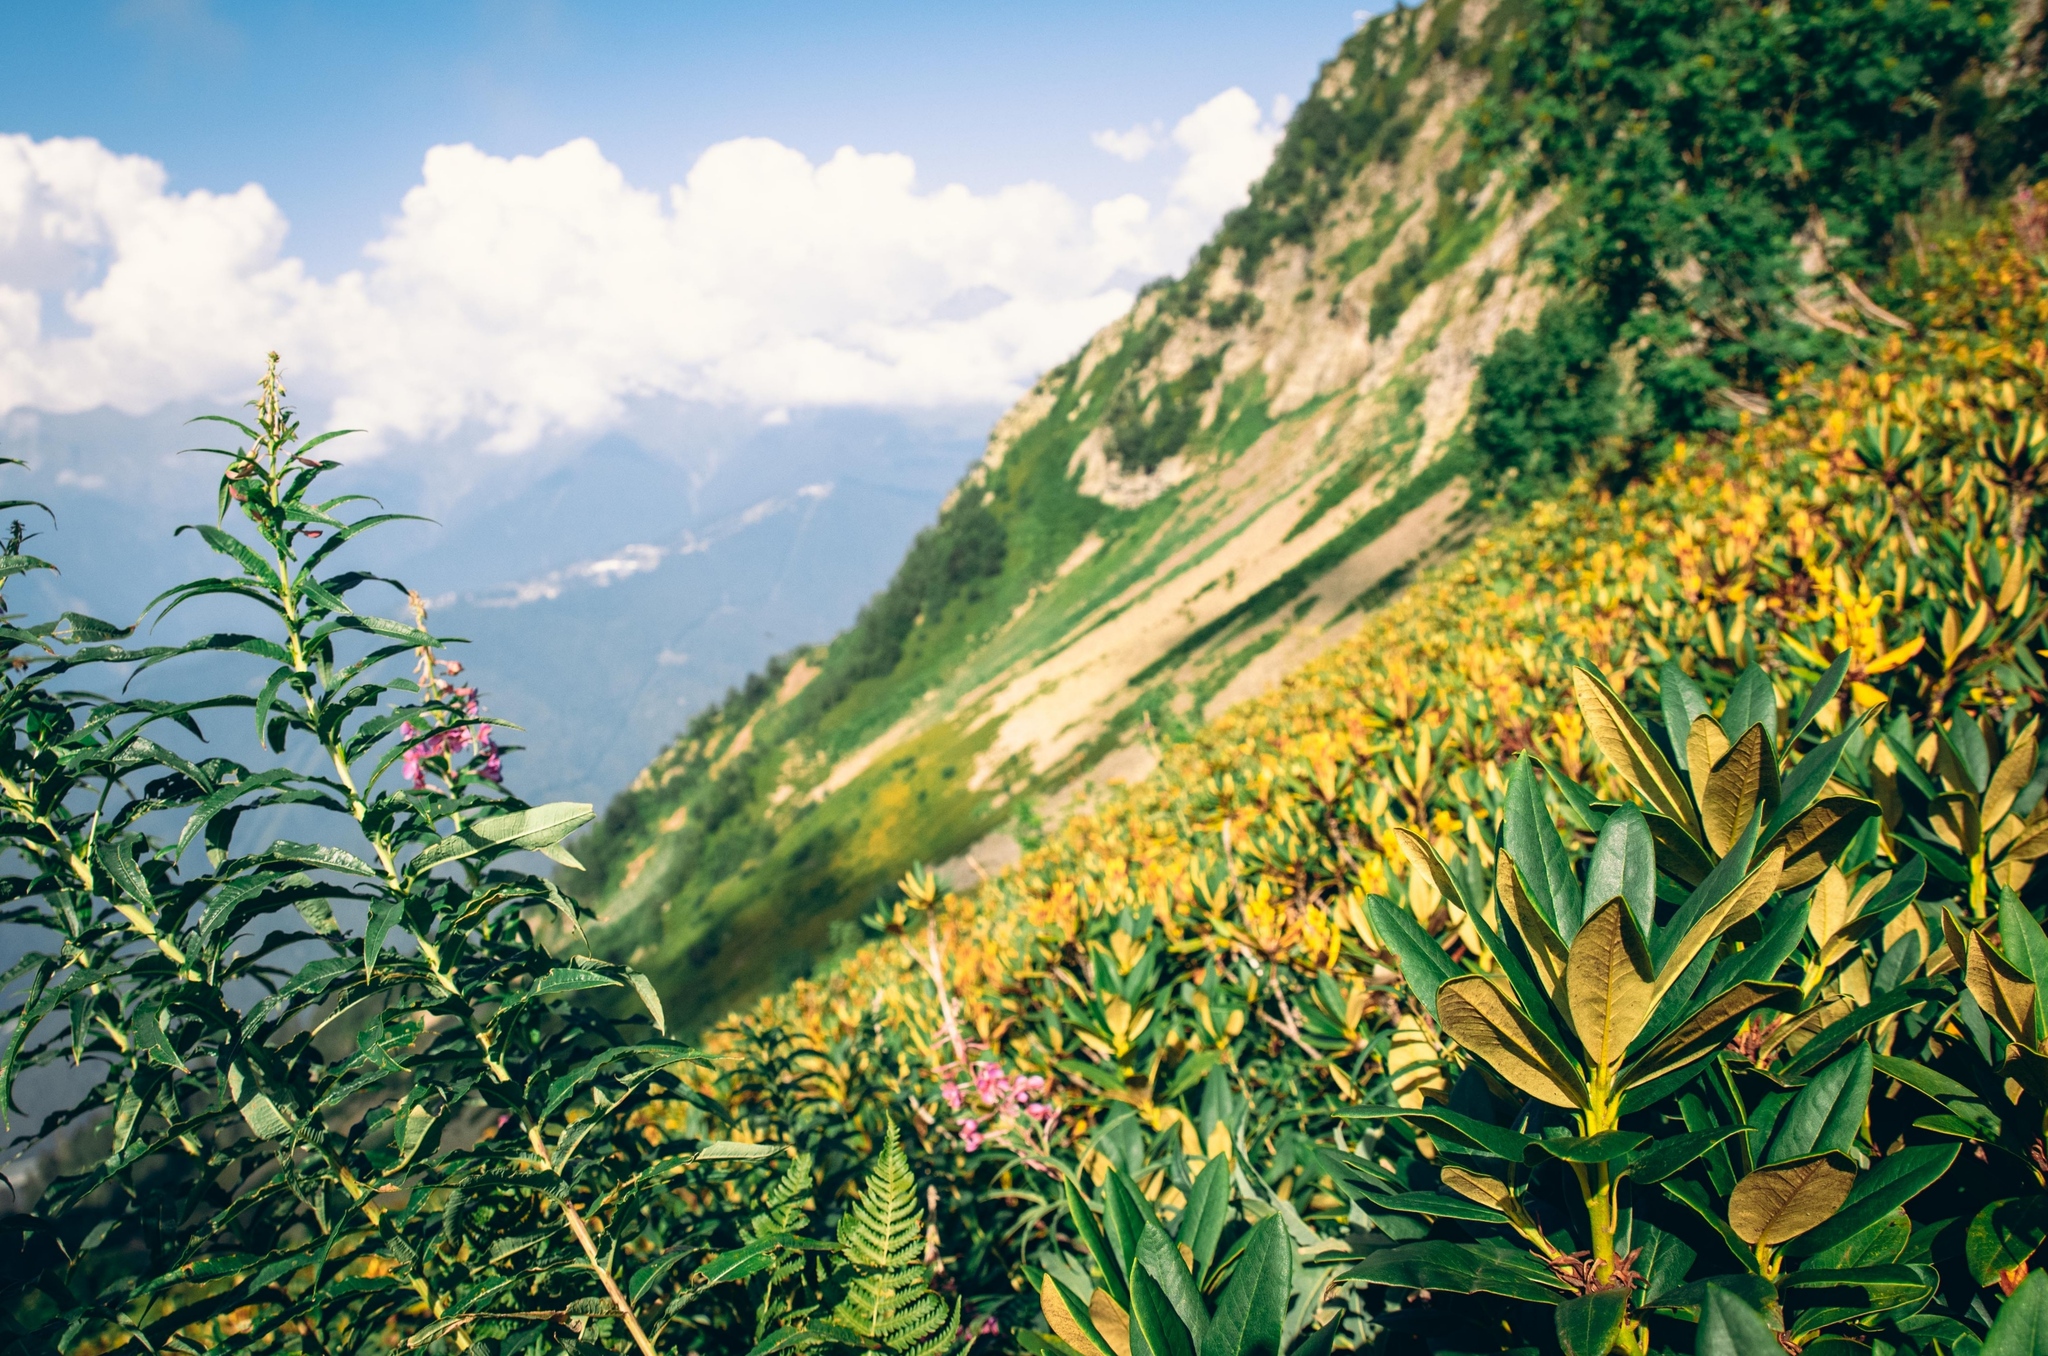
{"x":1546,"y":949}
{"x":1705,"y":1030}
{"x":1705,"y":745}
{"x":1778,"y":1203}
{"x":2006,"y":995}
{"x":1744,"y":900}
{"x":1478,"y":1187}
{"x":1608,"y":989}
{"x":1735,"y":787}
{"x":1625,"y":743}
{"x":1477,"y":1015}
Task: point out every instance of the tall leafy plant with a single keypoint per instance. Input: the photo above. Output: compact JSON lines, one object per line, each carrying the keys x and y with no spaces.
{"x":323,"y":1091}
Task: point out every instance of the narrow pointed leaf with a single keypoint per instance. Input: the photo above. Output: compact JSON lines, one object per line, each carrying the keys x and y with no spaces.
{"x":1641,"y":764}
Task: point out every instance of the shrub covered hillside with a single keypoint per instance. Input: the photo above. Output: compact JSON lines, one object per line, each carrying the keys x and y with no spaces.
{"x":1198,"y":972}
{"x":1499,"y":236}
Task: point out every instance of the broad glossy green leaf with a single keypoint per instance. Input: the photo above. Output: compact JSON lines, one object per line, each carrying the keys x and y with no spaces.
{"x":1155,"y":1326}
{"x":1624,"y":865}
{"x":1604,"y":1147}
{"x":1423,"y":963}
{"x":1125,"y":1214}
{"x":1667,"y":1156}
{"x":1432,"y":1205}
{"x":1817,"y":698}
{"x":1838,"y":1034}
{"x":1752,"y":701}
{"x":1531,"y":839}
{"x":1686,"y":1301}
{"x":1662,"y":1259}
{"x":1820,"y":1298}
{"x":1878,"y":1245}
{"x":1730,"y":1327}
{"x":1089,"y":1230}
{"x":1681,"y":702}
{"x":1252,"y":1310}
{"x":2004,"y":1234}
{"x":1159,"y":1265}
{"x":2021,"y":1328}
{"x":1721,"y":882}
{"x":1828,"y":1112}
{"x":1586,"y":1324}
{"x":1207,"y":1210}
{"x":1463,"y":1130}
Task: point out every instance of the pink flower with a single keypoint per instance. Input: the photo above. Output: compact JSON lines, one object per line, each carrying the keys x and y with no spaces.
{"x":951,"y":1092}
{"x":970,"y":1134}
{"x":990,"y":1083}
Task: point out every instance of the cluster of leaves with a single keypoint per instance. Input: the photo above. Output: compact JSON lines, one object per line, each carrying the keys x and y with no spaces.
{"x":336,"y":1095}
{"x":1200,"y":970}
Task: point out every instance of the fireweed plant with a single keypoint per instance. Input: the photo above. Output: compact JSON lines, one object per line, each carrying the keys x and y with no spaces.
{"x":338,"y":1096}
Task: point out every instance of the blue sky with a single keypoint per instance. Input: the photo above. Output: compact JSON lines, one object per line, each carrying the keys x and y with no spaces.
{"x":677,"y":372}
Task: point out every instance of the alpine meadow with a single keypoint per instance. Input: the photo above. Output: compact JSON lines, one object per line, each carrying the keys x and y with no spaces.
{"x":1465,"y":778}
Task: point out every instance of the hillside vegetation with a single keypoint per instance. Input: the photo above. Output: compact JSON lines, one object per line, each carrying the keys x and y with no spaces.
{"x":1191,"y":969}
{"x":1499,"y":241}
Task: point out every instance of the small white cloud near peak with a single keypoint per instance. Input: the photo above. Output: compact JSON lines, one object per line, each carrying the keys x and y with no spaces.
{"x":776,"y":417}
{"x":1132,"y":144}
{"x":1229,"y":142}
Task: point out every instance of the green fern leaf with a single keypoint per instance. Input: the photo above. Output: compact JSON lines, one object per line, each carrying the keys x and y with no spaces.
{"x":881,"y":1243}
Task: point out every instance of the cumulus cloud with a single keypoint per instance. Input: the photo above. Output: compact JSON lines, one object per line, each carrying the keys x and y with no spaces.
{"x":1132,"y":145}
{"x":538,"y":295}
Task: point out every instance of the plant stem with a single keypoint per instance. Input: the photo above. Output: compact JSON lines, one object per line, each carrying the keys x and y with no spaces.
{"x":582,"y":1232}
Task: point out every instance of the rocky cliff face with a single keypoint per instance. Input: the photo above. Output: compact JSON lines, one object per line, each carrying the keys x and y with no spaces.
{"x":1213,"y":491}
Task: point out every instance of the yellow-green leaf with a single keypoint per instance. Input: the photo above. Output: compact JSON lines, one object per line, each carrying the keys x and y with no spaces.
{"x":2014,"y":771}
{"x":1546,"y":948}
{"x":1422,"y":855}
{"x":2006,"y":995}
{"x":1705,"y":745}
{"x":1480,"y":1017}
{"x":1784,"y":1200}
{"x":1813,"y":840}
{"x":1641,"y":763}
{"x":1734,"y":787}
{"x":1477,"y":1187}
{"x":1609,"y":992}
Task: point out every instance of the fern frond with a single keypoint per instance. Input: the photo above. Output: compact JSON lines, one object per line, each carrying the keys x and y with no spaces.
{"x":881,"y":1242}
{"x":784,"y":1211}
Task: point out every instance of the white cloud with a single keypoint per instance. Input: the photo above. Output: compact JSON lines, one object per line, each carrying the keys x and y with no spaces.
{"x":1228,"y":144}
{"x":539,"y":295}
{"x":1132,"y":145}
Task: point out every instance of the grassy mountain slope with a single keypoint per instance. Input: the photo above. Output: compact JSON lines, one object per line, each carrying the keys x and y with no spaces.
{"x":1497,"y":240}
